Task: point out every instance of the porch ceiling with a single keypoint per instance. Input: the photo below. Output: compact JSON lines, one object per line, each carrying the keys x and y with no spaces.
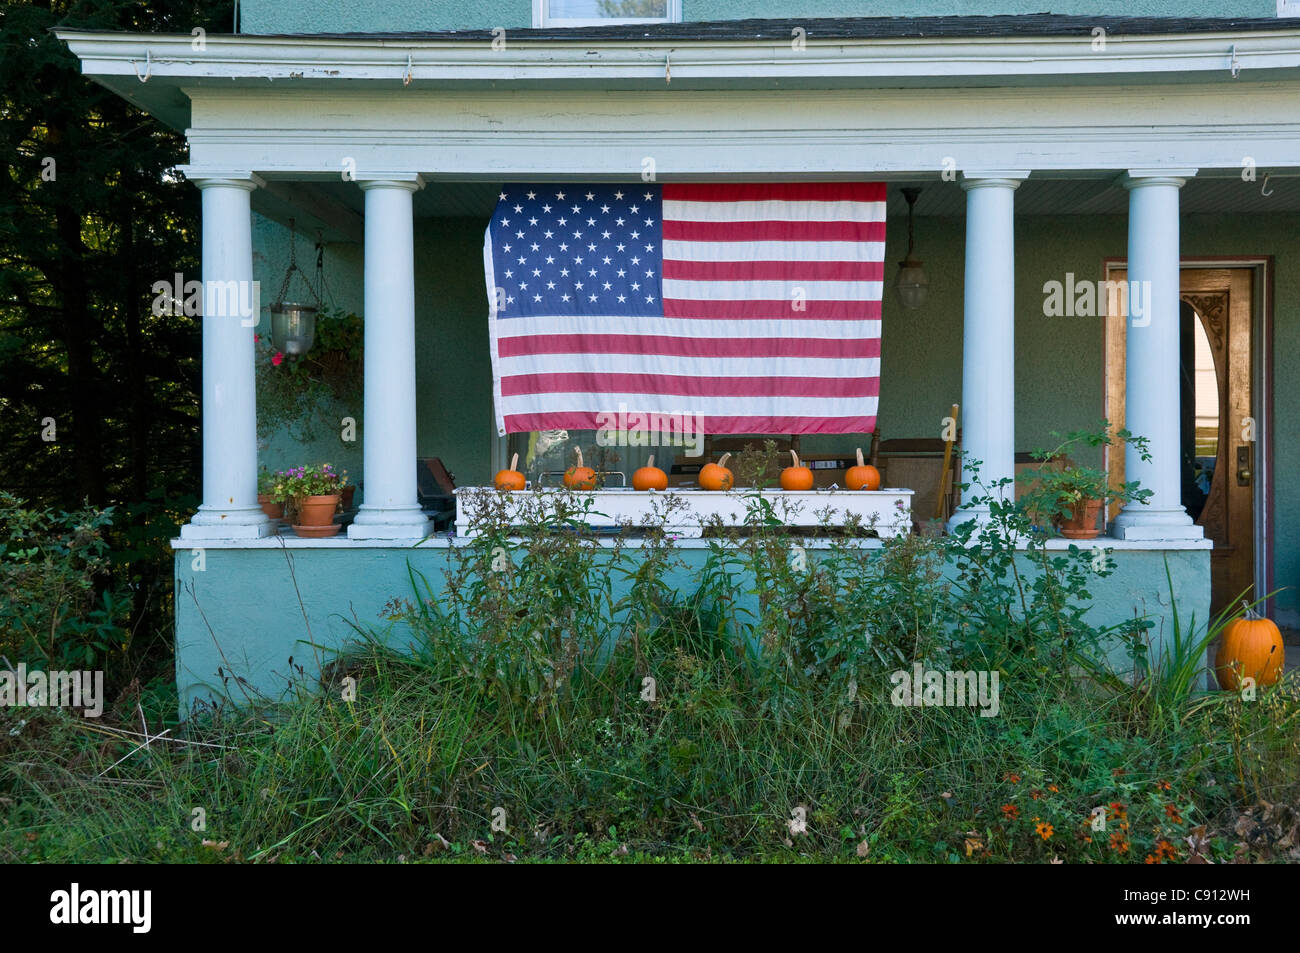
{"x":337,"y":206}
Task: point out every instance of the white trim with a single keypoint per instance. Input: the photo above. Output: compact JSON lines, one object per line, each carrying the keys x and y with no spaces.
{"x":1288,"y":8}
{"x":317,"y":60}
{"x":542,"y":17}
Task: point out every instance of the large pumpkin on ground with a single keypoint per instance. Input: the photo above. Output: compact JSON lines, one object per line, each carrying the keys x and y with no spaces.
{"x":1251,"y":648}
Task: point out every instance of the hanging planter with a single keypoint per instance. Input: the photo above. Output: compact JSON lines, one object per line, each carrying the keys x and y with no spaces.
{"x":293,"y":323}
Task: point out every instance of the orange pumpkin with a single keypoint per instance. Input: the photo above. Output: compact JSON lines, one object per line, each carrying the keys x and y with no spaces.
{"x":716,"y":476}
{"x":649,"y":477}
{"x":863,"y":476}
{"x":510,"y":479}
{"x":580,"y":477}
{"x":797,"y":477}
{"x":1251,"y":648}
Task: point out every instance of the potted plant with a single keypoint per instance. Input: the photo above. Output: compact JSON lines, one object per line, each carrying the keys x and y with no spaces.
{"x":1070,"y":497}
{"x":265,"y":494}
{"x":315,"y":493}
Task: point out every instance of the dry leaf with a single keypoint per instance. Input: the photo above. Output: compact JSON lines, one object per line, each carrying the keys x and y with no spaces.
{"x":863,"y":849}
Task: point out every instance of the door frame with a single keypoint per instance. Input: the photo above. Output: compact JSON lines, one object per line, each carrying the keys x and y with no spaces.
{"x":1261,"y":268}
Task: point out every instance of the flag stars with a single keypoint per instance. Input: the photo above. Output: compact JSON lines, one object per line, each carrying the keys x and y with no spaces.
{"x":649,"y":196}
{"x":533,"y":221}
{"x":593,"y":298}
{"x":560,"y":196}
{"x":518,"y":209}
{"x":546,"y":208}
{"x":532,"y":195}
{"x":617,"y":195}
{"x":502,"y":196}
{"x":591,"y":196}
{"x":605,"y":209}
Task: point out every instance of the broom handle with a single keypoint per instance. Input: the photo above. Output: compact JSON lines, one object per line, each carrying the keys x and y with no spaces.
{"x":944,"y":474}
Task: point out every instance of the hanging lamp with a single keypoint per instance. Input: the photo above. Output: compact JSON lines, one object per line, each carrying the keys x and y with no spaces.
{"x":912,"y":285}
{"x":293,"y":323}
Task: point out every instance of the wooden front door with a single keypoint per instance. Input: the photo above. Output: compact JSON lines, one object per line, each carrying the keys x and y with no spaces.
{"x":1219,"y":434}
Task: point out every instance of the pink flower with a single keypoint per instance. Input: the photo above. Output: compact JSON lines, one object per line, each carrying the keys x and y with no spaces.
{"x":257,"y":338}
{"x":278,"y":359}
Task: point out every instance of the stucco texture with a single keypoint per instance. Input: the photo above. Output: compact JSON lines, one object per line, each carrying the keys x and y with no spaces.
{"x":248,"y":612}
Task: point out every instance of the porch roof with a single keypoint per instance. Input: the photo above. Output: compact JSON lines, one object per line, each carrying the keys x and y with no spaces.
{"x":157,"y":71}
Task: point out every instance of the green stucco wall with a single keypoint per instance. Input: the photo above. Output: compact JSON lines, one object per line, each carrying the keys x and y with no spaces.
{"x":245,"y":613}
{"x":387,"y":16}
{"x":453,"y":366}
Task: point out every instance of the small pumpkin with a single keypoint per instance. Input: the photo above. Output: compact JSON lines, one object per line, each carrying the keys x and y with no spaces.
{"x":580,"y":477}
{"x":649,"y":477}
{"x":510,"y":479}
{"x":797,"y":477}
{"x":863,"y":476}
{"x":1251,"y":648}
{"x":716,"y":476}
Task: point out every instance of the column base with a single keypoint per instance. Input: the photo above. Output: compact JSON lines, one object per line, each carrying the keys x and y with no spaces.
{"x":376,"y":523}
{"x":1155,"y":525}
{"x":243,"y":522}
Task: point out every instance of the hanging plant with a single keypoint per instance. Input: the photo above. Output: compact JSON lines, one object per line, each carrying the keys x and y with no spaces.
{"x":297,"y":393}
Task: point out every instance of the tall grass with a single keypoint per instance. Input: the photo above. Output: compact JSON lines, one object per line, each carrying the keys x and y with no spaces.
{"x":554,"y":698}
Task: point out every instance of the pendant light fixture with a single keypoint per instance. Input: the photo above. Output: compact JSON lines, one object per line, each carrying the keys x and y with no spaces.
{"x":911,"y":284}
{"x":293,"y":323}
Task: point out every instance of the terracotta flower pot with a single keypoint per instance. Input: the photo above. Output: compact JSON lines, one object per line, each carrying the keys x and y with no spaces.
{"x":1082,"y":523}
{"x":315,"y":515}
{"x":269,"y":507}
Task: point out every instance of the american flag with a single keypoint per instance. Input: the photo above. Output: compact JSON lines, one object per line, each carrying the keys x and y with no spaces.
{"x":756,"y":306}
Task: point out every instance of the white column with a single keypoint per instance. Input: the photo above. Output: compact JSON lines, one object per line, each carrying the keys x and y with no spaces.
{"x":231,"y":309}
{"x":1152,"y":395}
{"x":390,"y":507}
{"x":988,"y":377}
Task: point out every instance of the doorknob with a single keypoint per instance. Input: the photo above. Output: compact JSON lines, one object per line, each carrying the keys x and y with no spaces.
{"x":1243,"y":466}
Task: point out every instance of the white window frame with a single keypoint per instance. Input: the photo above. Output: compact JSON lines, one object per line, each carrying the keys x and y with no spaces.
{"x":542,"y":17}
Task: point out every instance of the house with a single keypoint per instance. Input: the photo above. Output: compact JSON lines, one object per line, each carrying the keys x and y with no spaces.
{"x":1053,"y":151}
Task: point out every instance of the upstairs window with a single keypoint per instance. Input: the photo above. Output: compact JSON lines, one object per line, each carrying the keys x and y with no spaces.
{"x":602,"y":12}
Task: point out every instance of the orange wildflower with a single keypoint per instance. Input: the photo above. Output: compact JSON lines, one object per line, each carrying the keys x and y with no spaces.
{"x":1011,"y":811}
{"x":1044,"y":831}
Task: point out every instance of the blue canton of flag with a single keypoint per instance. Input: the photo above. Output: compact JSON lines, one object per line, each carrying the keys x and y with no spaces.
{"x":594,"y":250}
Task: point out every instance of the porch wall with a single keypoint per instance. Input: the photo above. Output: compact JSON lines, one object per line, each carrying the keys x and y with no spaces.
{"x":250,"y":609}
{"x":311,"y":16}
{"x":1058,"y":360}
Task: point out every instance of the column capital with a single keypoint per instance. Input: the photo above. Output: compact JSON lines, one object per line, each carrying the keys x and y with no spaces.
{"x":236,"y":178}
{"x":411,"y":181}
{"x":993,"y":178}
{"x":1137,"y":178}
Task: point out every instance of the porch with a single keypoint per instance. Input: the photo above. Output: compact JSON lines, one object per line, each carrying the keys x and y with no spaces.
{"x":1024,"y":182}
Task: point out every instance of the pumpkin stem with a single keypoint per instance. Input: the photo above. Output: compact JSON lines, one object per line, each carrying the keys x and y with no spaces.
{"x":650,"y":460}
{"x":794,"y":456}
{"x":514,"y":461}
{"x":861,"y":462}
{"x":722,"y":461}
{"x":578,"y":451}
